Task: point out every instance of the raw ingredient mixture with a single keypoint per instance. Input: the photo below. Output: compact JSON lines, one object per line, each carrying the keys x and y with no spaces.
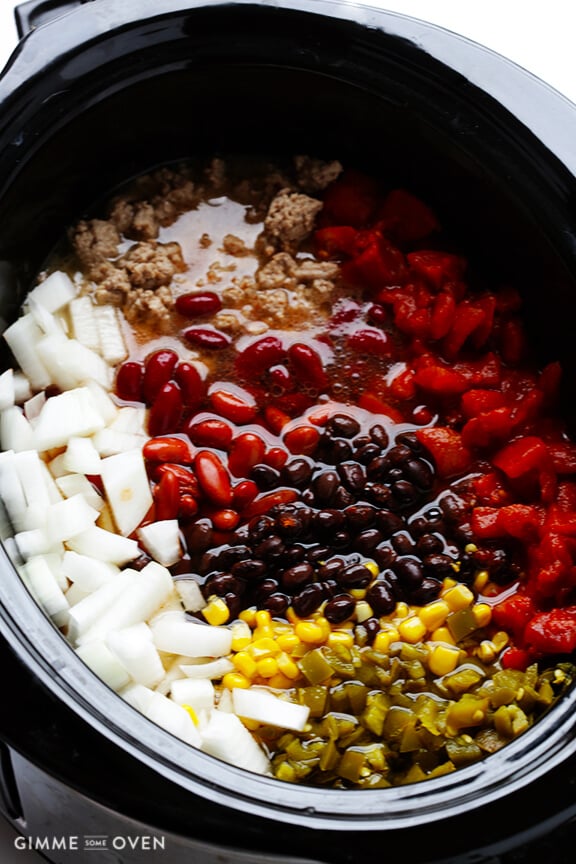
{"x":283,"y":472}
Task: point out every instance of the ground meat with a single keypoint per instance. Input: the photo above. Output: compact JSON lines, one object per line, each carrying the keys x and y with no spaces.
{"x":135,"y":220}
{"x":95,"y":241}
{"x":314,"y":175}
{"x":151,"y":309}
{"x":150,"y":265}
{"x":290,"y":219}
{"x":284,"y":271}
{"x":233,"y":245}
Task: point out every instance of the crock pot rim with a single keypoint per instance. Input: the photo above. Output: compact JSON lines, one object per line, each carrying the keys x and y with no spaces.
{"x":69,"y":669}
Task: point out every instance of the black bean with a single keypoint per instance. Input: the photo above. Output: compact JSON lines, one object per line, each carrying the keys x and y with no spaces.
{"x":360,"y":516}
{"x":140,"y":562}
{"x":342,"y":498}
{"x":395,"y":474}
{"x":198,"y":535}
{"x":220,"y":584}
{"x":234,"y":604}
{"x":340,"y":540}
{"x":453,"y":507}
{"x":467,"y":569}
{"x":355,"y":576}
{"x":231,"y":554}
{"x":250,"y":569}
{"x":419,"y":472}
{"x":388,"y":523}
{"x":372,"y":627}
{"x":380,"y":495}
{"x":265,"y":477}
{"x":361,"y":441}
{"x":409,"y":439}
{"x":297,"y":473}
{"x":367,"y":453}
{"x":324,"y":486}
{"x":399,"y":454}
{"x":409,"y":571}
{"x":428,"y":544}
{"x":292,"y":555}
{"x":330,"y":587}
{"x":384,"y":555}
{"x":295,"y":577}
{"x":338,"y":451}
{"x":343,"y":425}
{"x":308,"y":600}
{"x":405,"y":493}
{"x":331,"y":568}
{"x":379,"y":435}
{"x":381,"y":597}
{"x":308,"y":496}
{"x":260,"y":527}
{"x":366,"y":541}
{"x":317,"y":553}
{"x":276,"y":604}
{"x":327,"y":522}
{"x":427,"y":591}
{"x":339,"y":608}
{"x":269,"y":548}
{"x":377,"y":468}
{"x":438,"y":566}
{"x":352,"y":475}
{"x":292,"y":524}
{"x":402,"y":543}
{"x":264,"y":589}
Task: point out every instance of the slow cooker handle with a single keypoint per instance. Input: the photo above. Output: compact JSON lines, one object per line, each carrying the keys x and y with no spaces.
{"x":33,"y":13}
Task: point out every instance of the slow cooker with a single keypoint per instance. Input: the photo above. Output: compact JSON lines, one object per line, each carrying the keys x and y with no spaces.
{"x":101,"y":91}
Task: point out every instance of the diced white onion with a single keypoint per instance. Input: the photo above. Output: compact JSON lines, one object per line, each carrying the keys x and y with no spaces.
{"x":105,"y":546}
{"x":22,"y":337}
{"x":212,"y":669}
{"x":258,"y":704}
{"x":7,"y":391}
{"x":78,"y":484}
{"x":16,"y":431}
{"x":86,"y":572}
{"x":45,"y":589}
{"x":84,"y":327}
{"x":54,"y":292}
{"x":88,"y":611}
{"x":226,"y":738}
{"x":162,"y":541}
{"x":190,"y":594}
{"x":70,"y":363}
{"x":127,"y":488}
{"x":134,"y":648}
{"x":197,"y":692}
{"x":81,"y":457}
{"x":105,"y":664}
{"x":112,"y":345}
{"x":176,"y":634}
{"x":73,"y":412}
{"x":69,"y":517}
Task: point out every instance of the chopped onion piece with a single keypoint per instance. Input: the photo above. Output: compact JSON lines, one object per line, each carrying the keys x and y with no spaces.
{"x":162,"y":541}
{"x":170,"y":716}
{"x":104,"y":663}
{"x":84,"y":327}
{"x":176,"y":634}
{"x":16,"y":431}
{"x":7,"y":391}
{"x":22,"y":337}
{"x":112,"y":345}
{"x":212,"y":669}
{"x":127,"y":488}
{"x":81,"y":456}
{"x":226,"y":738}
{"x":78,"y":484}
{"x":11,"y":490}
{"x":70,"y":363}
{"x":90,"y":610}
{"x":45,"y":589}
{"x":258,"y":704}
{"x":105,"y":546}
{"x":74,"y":412}
{"x":190,"y":594}
{"x":69,"y":517}
{"x":134,"y":648}
{"x":197,"y":692}
{"x":54,"y":292}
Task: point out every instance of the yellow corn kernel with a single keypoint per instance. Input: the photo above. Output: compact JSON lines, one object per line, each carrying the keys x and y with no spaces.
{"x":412,"y":629}
{"x":481,"y":580}
{"x":458,"y":597}
{"x":341,"y":637}
{"x":442,"y":634}
{"x":383,"y":640}
{"x":500,"y":640}
{"x":291,"y":615}
{"x":449,"y":582}
{"x":266,"y":632}
{"x":241,"y":635}
{"x":280,"y":682}
{"x":373,"y":567}
{"x":358,"y":593}
{"x":264,"y":647}
{"x":235,"y":679}
{"x":434,"y":614}
{"x":267,"y":667}
{"x":263,"y":618}
{"x":324,"y":625}
{"x":482,"y":613}
{"x":249,"y":616}
{"x":287,"y":666}
{"x":288,"y":642}
{"x":443,"y":659}
{"x":470,"y":548}
{"x":363,"y":611}
{"x":402,"y":610}
{"x":392,"y":629}
{"x":216,"y":612}
{"x":281,"y":628}
{"x":192,"y":713}
{"x":486,"y":651}
{"x":245,"y":664}
{"x":309,"y":632}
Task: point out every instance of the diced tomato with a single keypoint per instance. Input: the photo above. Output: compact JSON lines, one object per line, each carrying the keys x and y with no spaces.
{"x":478,"y":401}
{"x":521,"y":521}
{"x":514,"y":613}
{"x":373,"y":403}
{"x":512,"y":341}
{"x":335,"y":240}
{"x":490,"y":491}
{"x":488,"y":428}
{"x":516,"y":658}
{"x":441,"y":381}
{"x":448,"y":452}
{"x":553,"y":632}
{"x":485,"y":523}
{"x":469,"y":318}
{"x":377,"y":266}
{"x":350,"y":200}
{"x":406,"y":218}
{"x":442,"y":315}
{"x":521,"y":456}
{"x":563,"y":456}
{"x":437,"y":268}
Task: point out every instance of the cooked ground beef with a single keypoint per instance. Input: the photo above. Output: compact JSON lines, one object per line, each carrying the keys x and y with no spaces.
{"x":313,"y":175}
{"x":290,"y":219}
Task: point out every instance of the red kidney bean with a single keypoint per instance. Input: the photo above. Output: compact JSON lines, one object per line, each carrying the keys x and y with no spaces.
{"x":302,"y":440}
{"x":275,"y":418}
{"x":265,"y":502}
{"x":168,"y":448}
{"x":260,"y":356}
{"x":244,"y":493}
{"x":188,"y":507}
{"x":198,"y":303}
{"x":307,"y":365}
{"x":167,"y":497}
{"x":129,"y":381}
{"x":210,"y":433}
{"x":158,"y":368}
{"x":373,"y":342}
{"x":225,"y":519}
{"x":280,"y":376}
{"x":205,"y":337}
{"x":276,"y":457}
{"x":213,"y":478}
{"x":377,"y":314}
{"x":235,"y":407}
{"x":246,"y":451}
{"x":191,"y":383}
{"x":166,"y":411}
{"x":187,"y":480}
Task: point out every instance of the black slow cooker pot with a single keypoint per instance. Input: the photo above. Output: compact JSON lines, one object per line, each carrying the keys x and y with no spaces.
{"x":104,"y":92}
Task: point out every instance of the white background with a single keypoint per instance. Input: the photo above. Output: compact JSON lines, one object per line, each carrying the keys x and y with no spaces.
{"x":537,"y":35}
